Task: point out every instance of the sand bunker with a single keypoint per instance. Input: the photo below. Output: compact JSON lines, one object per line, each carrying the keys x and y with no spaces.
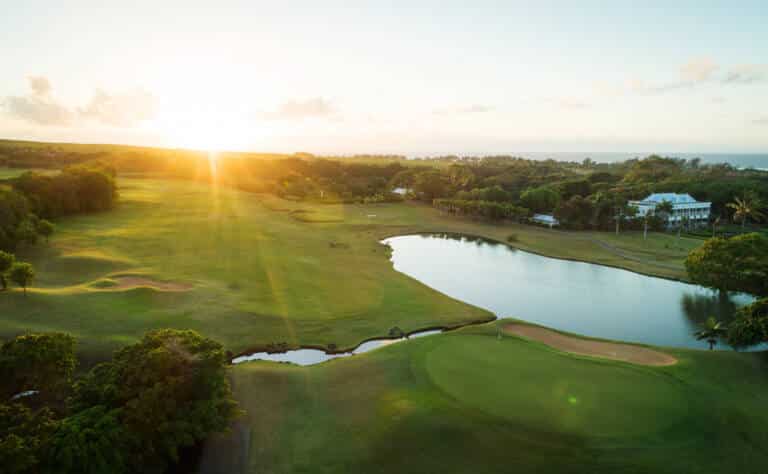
{"x":608,"y":350}
{"x":128,"y":282}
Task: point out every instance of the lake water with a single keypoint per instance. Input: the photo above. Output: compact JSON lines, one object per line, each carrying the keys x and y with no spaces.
{"x":583,"y":298}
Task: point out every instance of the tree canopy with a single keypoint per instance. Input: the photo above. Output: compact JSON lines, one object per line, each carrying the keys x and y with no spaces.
{"x":736,"y":264}
{"x":131,"y":414}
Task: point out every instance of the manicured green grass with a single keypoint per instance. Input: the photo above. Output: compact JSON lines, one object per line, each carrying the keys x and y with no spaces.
{"x":466,"y":401}
{"x":263,"y":269}
{"x":6,"y":173}
{"x":260,"y":275}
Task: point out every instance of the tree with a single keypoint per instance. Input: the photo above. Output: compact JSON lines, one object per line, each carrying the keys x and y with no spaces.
{"x":711,"y":332}
{"x":26,"y":232}
{"x":23,"y":437}
{"x":542,"y":199}
{"x":665,"y":210}
{"x":750,"y":327}
{"x":648,"y":214}
{"x":684,"y":222}
{"x":6,"y":262}
{"x":750,"y":206}
{"x":43,"y":362}
{"x":169,"y":391}
{"x":45,"y":228}
{"x":575,"y":213}
{"x":736,"y":264}
{"x":22,"y":274}
{"x":89,"y":442}
{"x":430,"y":185}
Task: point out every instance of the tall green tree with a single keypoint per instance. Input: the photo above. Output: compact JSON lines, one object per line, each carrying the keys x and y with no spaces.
{"x":665,"y":209}
{"x":22,"y":274}
{"x":711,"y":332}
{"x":748,"y":207}
{"x":750,"y":327}
{"x":46,"y":229}
{"x":43,"y":362}
{"x":541,"y":199}
{"x":736,"y":264}
{"x":91,"y":441}
{"x":6,"y":262}
{"x":23,"y":438}
{"x":170,"y":391}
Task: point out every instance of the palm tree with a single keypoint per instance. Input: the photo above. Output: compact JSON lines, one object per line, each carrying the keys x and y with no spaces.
{"x":714,"y":226}
{"x":750,"y":206}
{"x":711,"y":331}
{"x":684,"y":222}
{"x":665,"y":210}
{"x":648,"y":214}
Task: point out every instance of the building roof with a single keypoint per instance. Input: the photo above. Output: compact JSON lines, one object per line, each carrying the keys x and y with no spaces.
{"x":674,"y":198}
{"x":545,"y":218}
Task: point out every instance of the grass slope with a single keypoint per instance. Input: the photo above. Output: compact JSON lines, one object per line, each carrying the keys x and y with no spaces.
{"x":263,"y":269}
{"x":466,"y":401}
{"x":259,"y":275}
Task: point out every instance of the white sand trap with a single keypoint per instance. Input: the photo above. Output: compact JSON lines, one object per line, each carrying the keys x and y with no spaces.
{"x":576,"y":345}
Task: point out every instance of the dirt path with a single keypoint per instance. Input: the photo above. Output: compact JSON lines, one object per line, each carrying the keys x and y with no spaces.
{"x":609,"y":350}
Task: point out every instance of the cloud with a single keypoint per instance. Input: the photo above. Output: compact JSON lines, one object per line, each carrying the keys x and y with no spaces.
{"x":42,"y":108}
{"x":571,"y":104}
{"x":120,"y":110}
{"x":469,"y":109}
{"x":38,"y":107}
{"x":698,"y":70}
{"x":40,"y":85}
{"x":746,"y":74}
{"x":301,"y":109}
{"x":703,"y":71}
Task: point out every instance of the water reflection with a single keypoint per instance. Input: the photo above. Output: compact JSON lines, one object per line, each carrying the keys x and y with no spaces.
{"x":587,"y":299}
{"x":698,"y":307}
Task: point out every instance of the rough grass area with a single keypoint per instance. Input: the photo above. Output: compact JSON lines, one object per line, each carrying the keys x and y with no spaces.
{"x":467,"y":401}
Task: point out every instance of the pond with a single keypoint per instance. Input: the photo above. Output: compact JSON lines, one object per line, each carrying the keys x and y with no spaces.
{"x":583,"y":298}
{"x":316,"y":356}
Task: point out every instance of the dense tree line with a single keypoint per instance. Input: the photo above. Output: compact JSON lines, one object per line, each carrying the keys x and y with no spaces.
{"x":28,"y":201}
{"x":487,"y":209}
{"x":77,"y":189}
{"x":135,"y":413}
{"x":542,"y":186}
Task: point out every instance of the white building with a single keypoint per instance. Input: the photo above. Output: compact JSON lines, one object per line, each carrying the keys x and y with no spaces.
{"x":545,"y":219}
{"x":684,"y":207}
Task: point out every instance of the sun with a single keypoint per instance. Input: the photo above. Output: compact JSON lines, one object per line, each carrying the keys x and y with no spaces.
{"x":205,"y":133}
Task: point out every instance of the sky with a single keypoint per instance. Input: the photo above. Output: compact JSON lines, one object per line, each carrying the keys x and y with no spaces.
{"x":410,"y":77}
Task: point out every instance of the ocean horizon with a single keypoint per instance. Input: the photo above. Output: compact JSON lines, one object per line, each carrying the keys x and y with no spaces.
{"x":739,"y":160}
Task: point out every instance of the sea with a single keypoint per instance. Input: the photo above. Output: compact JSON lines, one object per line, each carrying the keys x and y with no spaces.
{"x":751,"y":160}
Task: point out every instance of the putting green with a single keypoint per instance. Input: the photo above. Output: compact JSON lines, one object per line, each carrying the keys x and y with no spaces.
{"x":465,"y":401}
{"x":586,"y":398}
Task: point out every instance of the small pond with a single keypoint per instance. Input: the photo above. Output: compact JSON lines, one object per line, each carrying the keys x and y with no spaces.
{"x":583,"y":298}
{"x":315,"y":356}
